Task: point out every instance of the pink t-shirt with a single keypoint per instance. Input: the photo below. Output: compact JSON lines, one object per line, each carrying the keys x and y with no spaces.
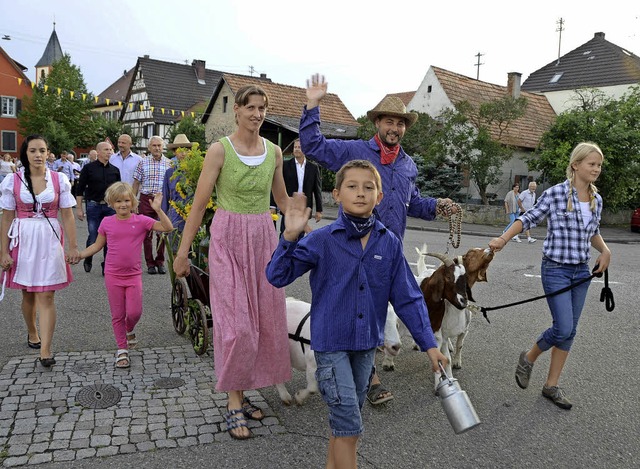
{"x":124,"y":243}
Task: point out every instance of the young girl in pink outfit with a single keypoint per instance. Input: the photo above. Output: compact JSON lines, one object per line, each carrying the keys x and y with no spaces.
{"x":124,"y":232}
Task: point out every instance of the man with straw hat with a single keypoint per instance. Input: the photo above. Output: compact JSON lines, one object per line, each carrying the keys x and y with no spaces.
{"x":397,"y":170}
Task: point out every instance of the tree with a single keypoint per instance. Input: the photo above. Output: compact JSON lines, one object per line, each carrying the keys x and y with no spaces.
{"x":112,"y":129}
{"x":473,"y":138}
{"x":60,"y":103}
{"x":194,"y":130}
{"x":613,"y":125}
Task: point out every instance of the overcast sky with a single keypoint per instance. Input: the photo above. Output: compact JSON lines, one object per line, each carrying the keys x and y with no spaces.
{"x":365,"y":48}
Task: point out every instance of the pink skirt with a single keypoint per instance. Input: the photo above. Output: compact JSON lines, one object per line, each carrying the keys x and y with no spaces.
{"x":250,"y":339}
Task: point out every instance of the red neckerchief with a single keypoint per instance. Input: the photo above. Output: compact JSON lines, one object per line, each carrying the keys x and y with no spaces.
{"x":387,"y":154}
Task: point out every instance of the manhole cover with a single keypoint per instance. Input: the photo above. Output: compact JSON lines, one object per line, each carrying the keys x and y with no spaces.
{"x":86,"y":367}
{"x":98,"y":396}
{"x":169,"y":383}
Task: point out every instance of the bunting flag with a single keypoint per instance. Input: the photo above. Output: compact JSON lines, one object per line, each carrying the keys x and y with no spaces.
{"x":108,"y":101}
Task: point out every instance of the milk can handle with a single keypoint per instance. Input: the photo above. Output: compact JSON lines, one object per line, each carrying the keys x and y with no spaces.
{"x":443,"y":375}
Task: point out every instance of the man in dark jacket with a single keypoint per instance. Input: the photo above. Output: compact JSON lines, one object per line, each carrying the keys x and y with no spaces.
{"x":302,"y":175}
{"x":94,"y":179}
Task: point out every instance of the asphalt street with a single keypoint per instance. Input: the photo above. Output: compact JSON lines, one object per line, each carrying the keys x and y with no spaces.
{"x":519,"y":427}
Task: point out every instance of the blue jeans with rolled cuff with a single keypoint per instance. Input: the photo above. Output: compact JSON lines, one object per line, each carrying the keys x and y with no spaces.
{"x":565,"y":307}
{"x":343,"y":380}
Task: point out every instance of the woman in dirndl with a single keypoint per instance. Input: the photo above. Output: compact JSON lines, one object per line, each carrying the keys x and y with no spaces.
{"x":32,"y":241}
{"x":251,"y":345}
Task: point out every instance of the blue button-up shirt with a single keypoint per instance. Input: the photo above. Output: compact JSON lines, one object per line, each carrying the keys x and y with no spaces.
{"x":401,"y":196}
{"x":568,"y":241}
{"x":352,"y":287}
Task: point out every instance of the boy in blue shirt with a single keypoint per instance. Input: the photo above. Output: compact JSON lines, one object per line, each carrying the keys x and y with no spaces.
{"x":357,"y":267}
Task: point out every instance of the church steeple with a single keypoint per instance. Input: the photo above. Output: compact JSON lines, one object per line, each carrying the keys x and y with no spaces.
{"x":52,"y":53}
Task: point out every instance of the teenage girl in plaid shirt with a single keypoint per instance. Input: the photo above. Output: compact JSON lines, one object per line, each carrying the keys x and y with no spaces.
{"x":573,"y":210}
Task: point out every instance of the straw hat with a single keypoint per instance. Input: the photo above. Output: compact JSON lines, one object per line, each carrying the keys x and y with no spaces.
{"x":181,"y":141}
{"x":392,"y":106}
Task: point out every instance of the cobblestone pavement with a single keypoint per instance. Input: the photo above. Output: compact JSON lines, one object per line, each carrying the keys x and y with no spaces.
{"x":55,"y":414}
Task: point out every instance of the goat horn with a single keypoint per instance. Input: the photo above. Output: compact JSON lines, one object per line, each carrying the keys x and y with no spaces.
{"x":445,"y":260}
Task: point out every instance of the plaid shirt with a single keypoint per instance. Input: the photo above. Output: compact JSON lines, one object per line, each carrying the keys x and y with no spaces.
{"x":568,"y":241}
{"x":150,"y":174}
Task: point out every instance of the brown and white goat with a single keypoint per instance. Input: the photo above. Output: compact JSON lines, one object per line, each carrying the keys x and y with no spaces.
{"x":450,"y":319}
{"x":449,"y":322}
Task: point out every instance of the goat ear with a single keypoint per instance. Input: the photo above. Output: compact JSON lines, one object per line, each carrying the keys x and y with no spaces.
{"x":436,"y":288}
{"x":469,"y":295}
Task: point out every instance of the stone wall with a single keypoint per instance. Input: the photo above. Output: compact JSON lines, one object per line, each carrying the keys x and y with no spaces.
{"x":494,"y":214}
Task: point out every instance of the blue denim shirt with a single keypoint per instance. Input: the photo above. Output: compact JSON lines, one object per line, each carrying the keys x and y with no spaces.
{"x":401,"y":196}
{"x":568,"y":241}
{"x":352,"y":287}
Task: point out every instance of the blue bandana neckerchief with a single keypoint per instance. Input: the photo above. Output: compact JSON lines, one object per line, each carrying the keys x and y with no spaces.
{"x":357,"y":227}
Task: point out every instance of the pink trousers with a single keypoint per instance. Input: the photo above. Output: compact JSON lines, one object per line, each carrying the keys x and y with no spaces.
{"x":125,"y":302}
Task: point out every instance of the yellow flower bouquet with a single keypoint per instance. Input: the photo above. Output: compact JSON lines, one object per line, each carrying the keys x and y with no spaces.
{"x":187,"y":172}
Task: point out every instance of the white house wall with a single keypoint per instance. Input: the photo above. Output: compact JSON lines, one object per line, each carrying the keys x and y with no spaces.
{"x":566,"y":99}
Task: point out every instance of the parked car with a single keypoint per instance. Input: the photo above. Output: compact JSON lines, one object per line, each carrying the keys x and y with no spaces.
{"x":635,"y":221}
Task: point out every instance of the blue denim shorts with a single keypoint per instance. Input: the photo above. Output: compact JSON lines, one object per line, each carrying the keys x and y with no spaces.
{"x":343,"y":380}
{"x":566,"y":307}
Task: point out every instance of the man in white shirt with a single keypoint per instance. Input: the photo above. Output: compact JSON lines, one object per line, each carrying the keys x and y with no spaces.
{"x":526,"y":201}
{"x":125,"y":160}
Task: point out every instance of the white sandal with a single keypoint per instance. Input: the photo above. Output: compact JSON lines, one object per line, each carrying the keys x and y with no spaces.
{"x":122,"y":355}
{"x":132,"y":342}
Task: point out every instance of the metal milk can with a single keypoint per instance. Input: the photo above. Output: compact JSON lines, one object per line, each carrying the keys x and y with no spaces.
{"x":456,"y":404}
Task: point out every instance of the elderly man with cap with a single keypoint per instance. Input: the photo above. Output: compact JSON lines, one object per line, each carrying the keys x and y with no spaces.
{"x":180,"y":147}
{"x":397,"y":170}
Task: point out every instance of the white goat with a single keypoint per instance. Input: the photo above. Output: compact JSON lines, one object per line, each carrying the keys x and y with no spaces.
{"x":303,"y":358}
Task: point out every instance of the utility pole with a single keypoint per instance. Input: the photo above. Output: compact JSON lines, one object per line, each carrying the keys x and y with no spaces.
{"x":251,"y":70}
{"x":477,"y":64}
{"x":560,"y":28}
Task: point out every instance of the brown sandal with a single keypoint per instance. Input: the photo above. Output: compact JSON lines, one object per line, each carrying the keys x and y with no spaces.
{"x":248,"y":409}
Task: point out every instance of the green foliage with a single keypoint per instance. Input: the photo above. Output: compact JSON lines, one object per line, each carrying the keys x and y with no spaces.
{"x":613,"y":125}
{"x":48,"y":111}
{"x":328,"y":179}
{"x":192,"y":128}
{"x":438,"y":180}
{"x":113,"y":129}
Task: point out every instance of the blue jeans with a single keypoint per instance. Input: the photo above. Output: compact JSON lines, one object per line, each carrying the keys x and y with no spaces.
{"x":95,"y":213}
{"x":512,"y":218}
{"x":343,"y":380}
{"x":565,"y":307}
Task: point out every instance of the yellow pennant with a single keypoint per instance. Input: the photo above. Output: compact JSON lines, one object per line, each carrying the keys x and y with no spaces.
{"x":71,"y":93}
{"x":142,"y":107}
{"x":119,"y":103}
{"x":107,"y":101}
{"x":96,"y":99}
{"x":59,"y":91}
{"x":182,"y":113}
{"x":131,"y":106}
{"x":84,"y":96}
{"x":162,"y":109}
{"x":33,"y":84}
{"x":19,"y":81}
{"x":193,"y":115}
{"x":46,"y":88}
{"x":173,"y":113}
